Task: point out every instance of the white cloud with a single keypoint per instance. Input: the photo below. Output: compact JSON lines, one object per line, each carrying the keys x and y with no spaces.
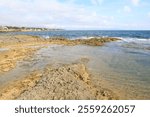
{"x":127,"y":9}
{"x":135,"y":2}
{"x":50,"y":13}
{"x":96,"y":2}
{"x":149,"y":14}
{"x":133,"y":26}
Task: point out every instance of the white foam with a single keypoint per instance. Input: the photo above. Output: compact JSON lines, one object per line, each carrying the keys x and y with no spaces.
{"x":82,"y":37}
{"x":45,"y":36}
{"x":136,"y":40}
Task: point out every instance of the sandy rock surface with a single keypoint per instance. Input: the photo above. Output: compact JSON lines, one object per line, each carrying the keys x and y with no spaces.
{"x":66,"y":82}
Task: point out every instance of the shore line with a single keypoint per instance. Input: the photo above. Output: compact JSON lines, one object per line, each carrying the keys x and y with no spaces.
{"x":71,"y":81}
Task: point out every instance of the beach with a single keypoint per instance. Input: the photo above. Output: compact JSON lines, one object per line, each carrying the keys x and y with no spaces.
{"x":69,"y":65}
{"x":74,"y":57}
{"x":50,"y":80}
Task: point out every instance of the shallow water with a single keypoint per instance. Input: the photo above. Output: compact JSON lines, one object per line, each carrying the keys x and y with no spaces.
{"x":125,"y":70}
{"x":122,"y":66}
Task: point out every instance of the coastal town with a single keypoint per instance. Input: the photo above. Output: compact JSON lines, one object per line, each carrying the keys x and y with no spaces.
{"x":24,"y":29}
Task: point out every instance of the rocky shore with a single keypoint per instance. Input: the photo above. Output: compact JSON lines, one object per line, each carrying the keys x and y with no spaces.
{"x":19,"y":46}
{"x":67,"y":81}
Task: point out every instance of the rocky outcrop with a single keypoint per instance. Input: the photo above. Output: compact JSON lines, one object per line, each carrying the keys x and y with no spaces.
{"x":67,"y":82}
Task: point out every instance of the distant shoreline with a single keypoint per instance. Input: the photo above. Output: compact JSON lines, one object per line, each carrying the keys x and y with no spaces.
{"x":25,"y":29}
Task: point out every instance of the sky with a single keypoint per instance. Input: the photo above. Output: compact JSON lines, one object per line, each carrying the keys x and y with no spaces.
{"x":77,"y":14}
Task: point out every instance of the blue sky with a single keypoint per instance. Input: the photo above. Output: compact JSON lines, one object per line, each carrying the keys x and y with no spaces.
{"x":77,"y":14}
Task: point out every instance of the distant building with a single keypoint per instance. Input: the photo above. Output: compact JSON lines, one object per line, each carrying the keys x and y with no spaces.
{"x":3,"y":28}
{"x":24,"y":29}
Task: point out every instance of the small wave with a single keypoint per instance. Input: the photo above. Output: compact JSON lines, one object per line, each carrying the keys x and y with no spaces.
{"x":136,"y":40}
{"x":82,"y":37}
{"x":45,"y":36}
{"x":144,"y":39}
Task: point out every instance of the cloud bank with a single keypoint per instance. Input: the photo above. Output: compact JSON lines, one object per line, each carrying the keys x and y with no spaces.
{"x":135,"y":2}
{"x":67,"y":14}
{"x":49,"y":13}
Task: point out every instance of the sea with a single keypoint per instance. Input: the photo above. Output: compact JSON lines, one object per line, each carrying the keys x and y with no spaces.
{"x":123,"y":66}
